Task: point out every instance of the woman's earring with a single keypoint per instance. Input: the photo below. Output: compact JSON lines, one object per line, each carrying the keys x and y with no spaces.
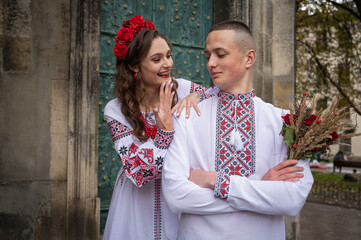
{"x":135,"y":76}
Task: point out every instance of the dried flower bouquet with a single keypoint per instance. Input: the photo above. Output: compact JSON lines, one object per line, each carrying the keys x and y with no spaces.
{"x":308,"y":132}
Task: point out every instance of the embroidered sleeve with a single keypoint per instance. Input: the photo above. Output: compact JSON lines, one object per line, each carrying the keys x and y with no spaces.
{"x":200,"y":90}
{"x":141,"y":162}
{"x":221,"y":188}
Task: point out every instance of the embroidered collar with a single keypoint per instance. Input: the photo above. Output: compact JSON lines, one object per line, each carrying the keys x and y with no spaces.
{"x":243,"y":97}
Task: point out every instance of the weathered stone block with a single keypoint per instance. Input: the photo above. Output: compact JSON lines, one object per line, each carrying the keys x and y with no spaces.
{"x":58,"y":160}
{"x":283,"y":55}
{"x":17,"y":17}
{"x":59,"y":106}
{"x":16,"y":54}
{"x":283,"y":92}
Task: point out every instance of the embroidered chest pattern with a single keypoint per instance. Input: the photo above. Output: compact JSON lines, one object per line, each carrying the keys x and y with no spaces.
{"x":235,"y":138}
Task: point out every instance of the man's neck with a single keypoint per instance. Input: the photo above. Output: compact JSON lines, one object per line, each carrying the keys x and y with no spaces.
{"x":238,"y":89}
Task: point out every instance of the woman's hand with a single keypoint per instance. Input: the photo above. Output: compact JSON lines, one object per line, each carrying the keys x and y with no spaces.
{"x":190,"y":101}
{"x":284,"y":171}
{"x":163,"y":114}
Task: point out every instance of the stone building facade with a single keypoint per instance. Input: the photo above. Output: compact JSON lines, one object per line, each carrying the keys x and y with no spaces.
{"x":49,"y":73}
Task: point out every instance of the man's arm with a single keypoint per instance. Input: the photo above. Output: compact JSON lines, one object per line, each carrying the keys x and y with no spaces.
{"x":284,"y":171}
{"x":180,"y":194}
{"x":282,"y":191}
{"x":271,"y":197}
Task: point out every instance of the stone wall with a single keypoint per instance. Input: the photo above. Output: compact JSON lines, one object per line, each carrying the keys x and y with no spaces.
{"x":49,"y":58}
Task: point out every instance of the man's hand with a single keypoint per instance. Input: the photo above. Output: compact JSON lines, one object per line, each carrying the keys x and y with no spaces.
{"x":204,"y":179}
{"x":284,"y":171}
{"x":190,"y":101}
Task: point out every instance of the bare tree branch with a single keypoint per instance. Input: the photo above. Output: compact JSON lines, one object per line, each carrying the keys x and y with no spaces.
{"x":325,"y":72}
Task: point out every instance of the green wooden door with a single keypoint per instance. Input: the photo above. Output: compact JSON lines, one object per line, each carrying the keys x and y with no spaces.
{"x":186,"y":23}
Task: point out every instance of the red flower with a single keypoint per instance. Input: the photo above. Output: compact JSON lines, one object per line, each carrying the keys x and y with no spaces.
{"x":318,"y":120}
{"x":124,"y":35}
{"x":149,"y":24}
{"x":286,"y":118}
{"x":294,"y":145}
{"x":310,"y":120}
{"x":334,"y":135}
{"x":133,"y":21}
{"x":120,"y":50}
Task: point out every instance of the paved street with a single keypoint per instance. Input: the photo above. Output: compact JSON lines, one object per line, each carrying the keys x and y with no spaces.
{"x":328,"y":222}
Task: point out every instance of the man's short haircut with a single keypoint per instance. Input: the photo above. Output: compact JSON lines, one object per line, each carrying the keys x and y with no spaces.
{"x":238,"y":27}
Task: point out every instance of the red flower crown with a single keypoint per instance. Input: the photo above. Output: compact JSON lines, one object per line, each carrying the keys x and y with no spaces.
{"x":127,"y":33}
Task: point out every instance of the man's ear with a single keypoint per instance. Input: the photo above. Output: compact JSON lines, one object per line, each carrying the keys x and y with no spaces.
{"x":134,"y":68}
{"x":250,"y":58}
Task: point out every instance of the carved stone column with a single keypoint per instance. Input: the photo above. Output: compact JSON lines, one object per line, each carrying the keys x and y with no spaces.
{"x":83,"y":203}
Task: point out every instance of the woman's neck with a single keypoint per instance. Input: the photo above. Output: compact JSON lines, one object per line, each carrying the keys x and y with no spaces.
{"x":149,"y":99}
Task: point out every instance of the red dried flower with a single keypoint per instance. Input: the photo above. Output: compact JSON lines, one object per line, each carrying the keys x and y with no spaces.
{"x":310,"y":120}
{"x":318,"y":120}
{"x":304,"y":94}
{"x":334,"y":135}
{"x":286,"y":118}
{"x":294,"y":145}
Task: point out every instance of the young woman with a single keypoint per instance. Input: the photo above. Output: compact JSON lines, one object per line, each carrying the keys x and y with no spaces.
{"x":141,"y":126}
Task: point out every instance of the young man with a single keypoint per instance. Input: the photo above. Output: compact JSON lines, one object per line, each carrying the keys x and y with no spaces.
{"x":224,"y":171}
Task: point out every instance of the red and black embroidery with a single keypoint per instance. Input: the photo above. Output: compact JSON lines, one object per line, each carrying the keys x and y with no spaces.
{"x":123,"y":150}
{"x":157,"y":210}
{"x":235,"y":139}
{"x":163,"y":139}
{"x":200,"y":90}
{"x":118,"y":130}
{"x":139,"y":166}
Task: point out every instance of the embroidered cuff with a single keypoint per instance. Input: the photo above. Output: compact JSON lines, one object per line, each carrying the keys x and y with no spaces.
{"x":118,"y":130}
{"x":203,"y":95}
{"x":200,"y":90}
{"x":221,"y":188}
{"x":163,"y":139}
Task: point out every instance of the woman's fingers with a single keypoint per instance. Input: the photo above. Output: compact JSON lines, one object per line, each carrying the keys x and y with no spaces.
{"x":161,"y":92}
{"x":166,"y":94}
{"x":163,"y":115}
{"x":175,"y":107}
{"x":190,"y":101}
{"x":196,"y":109}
